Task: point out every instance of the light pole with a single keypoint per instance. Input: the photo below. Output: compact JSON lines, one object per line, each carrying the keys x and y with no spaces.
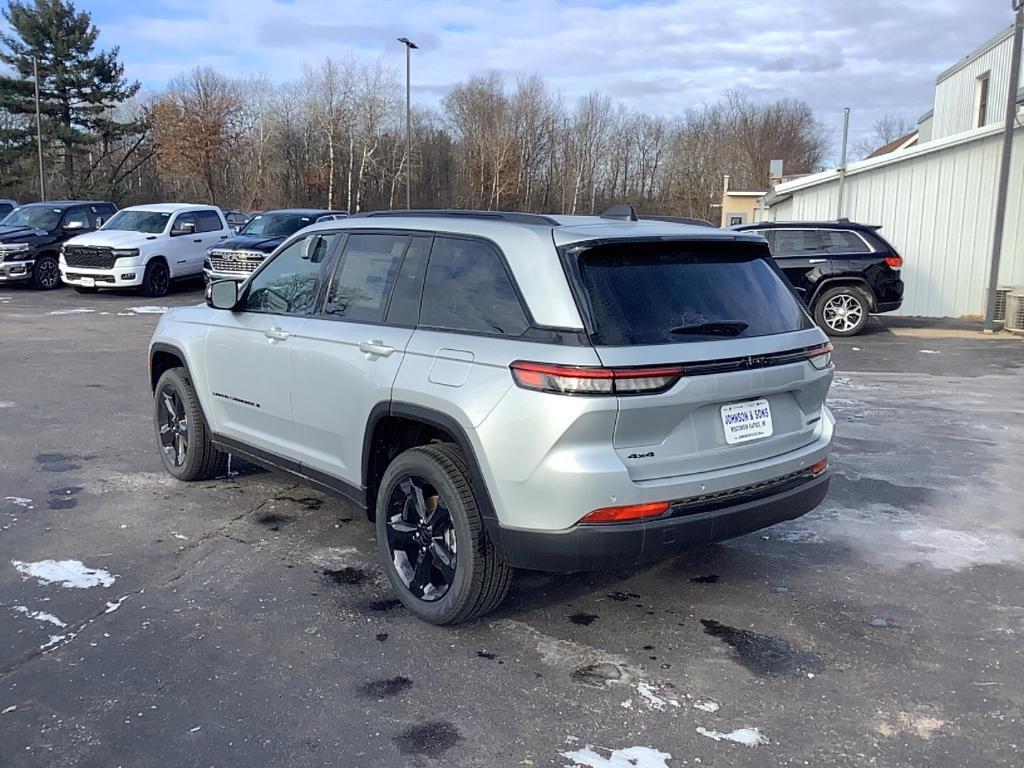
{"x":409,"y":45}
{"x":39,"y":131}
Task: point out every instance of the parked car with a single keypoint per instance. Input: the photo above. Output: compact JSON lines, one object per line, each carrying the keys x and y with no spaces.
{"x":236,"y":219}
{"x":502,"y":390}
{"x":31,"y":237}
{"x":844,"y":271}
{"x":6,"y":206}
{"x":145,"y":247}
{"x":237,"y":257}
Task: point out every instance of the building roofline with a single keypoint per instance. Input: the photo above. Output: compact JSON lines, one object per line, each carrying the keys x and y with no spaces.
{"x":975,"y":54}
{"x":741,"y":193}
{"x":925,"y":116}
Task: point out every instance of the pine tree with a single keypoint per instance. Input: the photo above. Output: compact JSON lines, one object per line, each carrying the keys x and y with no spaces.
{"x":78,"y":87}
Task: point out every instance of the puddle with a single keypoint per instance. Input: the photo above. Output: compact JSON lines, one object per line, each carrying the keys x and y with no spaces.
{"x":382,"y":637}
{"x":431,"y":739}
{"x":384,"y":689}
{"x":273,"y":520}
{"x":347,"y":575}
{"x":764,"y":655}
{"x":584,"y":619}
{"x":56,"y":462}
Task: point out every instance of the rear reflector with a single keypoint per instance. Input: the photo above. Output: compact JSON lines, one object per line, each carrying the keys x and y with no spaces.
{"x":819,"y":467}
{"x":894,"y":261}
{"x":820,"y":357}
{"x":627,"y":513}
{"x":583,"y":380}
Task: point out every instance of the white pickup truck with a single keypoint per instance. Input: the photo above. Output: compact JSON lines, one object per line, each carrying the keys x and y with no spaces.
{"x":145,"y":246}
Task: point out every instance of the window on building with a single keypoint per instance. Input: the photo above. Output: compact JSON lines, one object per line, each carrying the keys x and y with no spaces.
{"x":981,"y":100}
{"x":735,"y":219}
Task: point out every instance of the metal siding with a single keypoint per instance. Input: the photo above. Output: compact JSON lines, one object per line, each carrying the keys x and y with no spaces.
{"x":938,"y":210}
{"x":954,"y":96}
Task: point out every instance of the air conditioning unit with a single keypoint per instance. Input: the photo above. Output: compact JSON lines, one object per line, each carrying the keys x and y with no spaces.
{"x":1001,"y":293}
{"x":1015,"y":311}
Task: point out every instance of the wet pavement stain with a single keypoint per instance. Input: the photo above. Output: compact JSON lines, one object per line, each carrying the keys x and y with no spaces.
{"x":347,"y":575}
{"x":487,"y":655}
{"x":711,"y":578}
{"x":61,"y":503}
{"x":764,"y":655}
{"x":879,"y":621}
{"x":584,"y":619}
{"x":431,"y":739}
{"x":384,"y":605}
{"x":623,"y":597}
{"x":384,"y":689}
{"x":597,"y":675}
{"x":56,"y":462}
{"x":307,"y":502}
{"x":382,"y":637}
{"x":344,"y":520}
{"x":67,"y":490}
{"x":273,"y":520}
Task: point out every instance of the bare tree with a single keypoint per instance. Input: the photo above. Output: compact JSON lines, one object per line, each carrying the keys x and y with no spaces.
{"x":886,"y":130}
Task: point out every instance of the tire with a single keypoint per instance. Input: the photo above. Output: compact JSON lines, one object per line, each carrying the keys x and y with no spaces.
{"x":46,"y":273}
{"x":84,"y":289}
{"x":187,"y":453}
{"x":156,"y":281}
{"x":842,"y":311}
{"x":479,"y":580}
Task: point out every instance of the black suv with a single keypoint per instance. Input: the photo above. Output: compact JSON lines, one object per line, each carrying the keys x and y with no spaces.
{"x":31,"y":236}
{"x":237,"y":257}
{"x":844,"y":271}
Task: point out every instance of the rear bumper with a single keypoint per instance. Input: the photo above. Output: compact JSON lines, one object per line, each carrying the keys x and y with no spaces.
{"x":608,"y":547}
{"x":888,"y":306}
{"x":12,"y":271}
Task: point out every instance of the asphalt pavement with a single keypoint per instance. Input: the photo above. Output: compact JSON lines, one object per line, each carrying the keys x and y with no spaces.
{"x":245,"y":621}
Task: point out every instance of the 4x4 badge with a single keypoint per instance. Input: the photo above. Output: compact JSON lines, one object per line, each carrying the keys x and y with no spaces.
{"x":648,"y":455}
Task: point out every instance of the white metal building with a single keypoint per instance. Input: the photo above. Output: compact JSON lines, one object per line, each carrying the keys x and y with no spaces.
{"x":936,"y":201}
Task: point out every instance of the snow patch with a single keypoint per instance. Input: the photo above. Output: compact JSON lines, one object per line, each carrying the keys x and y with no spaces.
{"x":929,"y":352}
{"x":54,"y":639}
{"x":68,"y":573}
{"x":631,"y":757}
{"x":70,"y":311}
{"x":654,"y":701}
{"x":147,"y":310}
{"x":707,"y":706}
{"x":49,"y":618}
{"x":748,"y":737}
{"x":7,"y":404}
{"x":20,"y":501}
{"x":111,"y":607}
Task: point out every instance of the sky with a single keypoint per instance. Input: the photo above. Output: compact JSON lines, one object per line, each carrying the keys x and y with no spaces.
{"x":875,"y":56}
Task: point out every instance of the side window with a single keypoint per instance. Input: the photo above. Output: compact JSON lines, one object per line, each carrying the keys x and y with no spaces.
{"x":467,"y":289}
{"x":404,"y":308}
{"x":287,"y":285}
{"x":362,"y":282}
{"x":208,"y":221}
{"x":769,"y":235}
{"x":796,"y":242}
{"x":101,"y":214}
{"x":77,"y":218}
{"x":181,"y":220}
{"x":843,"y":241}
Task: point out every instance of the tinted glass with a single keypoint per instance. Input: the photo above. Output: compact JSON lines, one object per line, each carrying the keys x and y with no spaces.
{"x":150,"y":222}
{"x":208,"y":221}
{"x":182,"y":219}
{"x":660,"y":293}
{"x":842,"y":241}
{"x":77,"y":217}
{"x":287,"y":285}
{"x":795,"y":242}
{"x":360,"y":287}
{"x":38,"y":216}
{"x":6,"y":208}
{"x":276,"y":224}
{"x":404,"y":308}
{"x":467,"y":289}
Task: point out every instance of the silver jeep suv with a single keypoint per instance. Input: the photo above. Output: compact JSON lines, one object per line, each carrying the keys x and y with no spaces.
{"x":505,"y":390}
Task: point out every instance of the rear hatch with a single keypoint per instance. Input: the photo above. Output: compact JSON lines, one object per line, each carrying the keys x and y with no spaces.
{"x":752,"y":372}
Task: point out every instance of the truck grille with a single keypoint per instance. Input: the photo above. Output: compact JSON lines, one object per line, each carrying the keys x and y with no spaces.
{"x":235,"y":261}
{"x":88,"y":257}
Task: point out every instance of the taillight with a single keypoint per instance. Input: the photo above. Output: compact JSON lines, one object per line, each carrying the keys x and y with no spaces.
{"x":627,"y":513}
{"x":894,"y":261}
{"x":820,"y":357}
{"x":818,"y":467}
{"x":584,"y":380}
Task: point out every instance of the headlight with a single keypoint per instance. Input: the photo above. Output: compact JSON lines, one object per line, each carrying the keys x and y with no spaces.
{"x":14,"y":247}
{"x":124,"y":253}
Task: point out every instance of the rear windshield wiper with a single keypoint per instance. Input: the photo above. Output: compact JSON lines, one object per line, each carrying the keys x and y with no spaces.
{"x":719,"y":328}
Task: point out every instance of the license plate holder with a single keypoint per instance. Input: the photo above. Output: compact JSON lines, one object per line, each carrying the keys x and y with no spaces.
{"x":750,"y":420}
{"x":89,"y":282}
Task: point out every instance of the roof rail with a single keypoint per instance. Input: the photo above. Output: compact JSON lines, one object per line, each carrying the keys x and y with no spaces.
{"x":621,"y":212}
{"x":680,"y":220}
{"x":509,"y":216}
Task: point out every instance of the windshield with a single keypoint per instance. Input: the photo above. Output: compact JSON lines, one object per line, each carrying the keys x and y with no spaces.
{"x":678,"y":292}
{"x":151,"y":222}
{"x":276,"y":224}
{"x":38,"y":216}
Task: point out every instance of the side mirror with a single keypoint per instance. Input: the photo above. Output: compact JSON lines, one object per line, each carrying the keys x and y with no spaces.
{"x":73,"y":226}
{"x":222,"y":294}
{"x":185,"y":228}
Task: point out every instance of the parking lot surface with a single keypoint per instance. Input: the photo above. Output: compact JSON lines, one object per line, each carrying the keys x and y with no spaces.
{"x":245,"y":622}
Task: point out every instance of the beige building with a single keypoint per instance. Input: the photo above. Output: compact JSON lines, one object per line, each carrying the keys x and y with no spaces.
{"x":740,"y":207}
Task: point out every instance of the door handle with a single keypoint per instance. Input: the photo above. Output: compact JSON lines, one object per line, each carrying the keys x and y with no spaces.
{"x":376,"y":347}
{"x":816,"y":261}
{"x":276,"y":334}
{"x":198,"y":240}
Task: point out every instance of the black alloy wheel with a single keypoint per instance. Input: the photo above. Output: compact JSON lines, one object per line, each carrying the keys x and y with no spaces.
{"x":421,"y":538}
{"x":174,"y":434}
{"x":156,"y":281}
{"x":46,"y":273}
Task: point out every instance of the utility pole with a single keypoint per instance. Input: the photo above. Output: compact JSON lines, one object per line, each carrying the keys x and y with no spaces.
{"x":842,"y":163}
{"x":409,"y":45}
{"x":1004,"y":168}
{"x":39,"y":131}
